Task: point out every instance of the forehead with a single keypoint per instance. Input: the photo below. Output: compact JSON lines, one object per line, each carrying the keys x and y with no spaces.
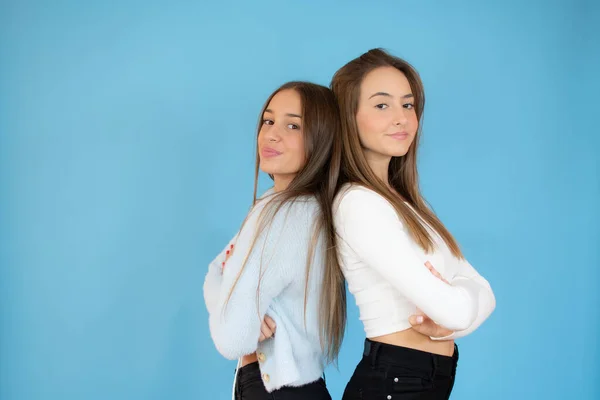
{"x":286,"y":101}
{"x":385,"y":79}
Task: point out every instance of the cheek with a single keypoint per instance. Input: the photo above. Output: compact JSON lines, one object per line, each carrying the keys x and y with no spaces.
{"x":295,"y":148}
{"x":414,"y":122}
{"x":260,"y":138}
{"x":369,"y":124}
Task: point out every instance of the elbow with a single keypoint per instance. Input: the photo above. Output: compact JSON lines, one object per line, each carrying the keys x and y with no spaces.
{"x":491,"y":303}
{"x":471,"y":305}
{"x":227,"y":348}
{"x":461,"y":322}
{"x":478,"y":308}
{"x":460,"y":317}
{"x":232,"y":342}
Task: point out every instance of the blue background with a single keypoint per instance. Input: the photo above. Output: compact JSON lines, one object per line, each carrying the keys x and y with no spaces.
{"x":126,"y":163}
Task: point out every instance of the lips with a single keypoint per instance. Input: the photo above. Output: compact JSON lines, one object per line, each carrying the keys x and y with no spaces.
{"x":269,"y":152}
{"x":399,"y":135}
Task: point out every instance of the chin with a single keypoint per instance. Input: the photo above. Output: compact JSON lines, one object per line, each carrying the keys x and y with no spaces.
{"x":270,"y":171}
{"x":397,"y":152}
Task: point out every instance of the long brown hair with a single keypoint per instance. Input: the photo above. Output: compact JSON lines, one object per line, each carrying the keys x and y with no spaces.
{"x":318,"y":178}
{"x":402,"y":171}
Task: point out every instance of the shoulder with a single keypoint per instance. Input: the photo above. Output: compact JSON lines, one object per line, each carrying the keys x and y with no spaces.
{"x":354,"y":197}
{"x":294,"y":213}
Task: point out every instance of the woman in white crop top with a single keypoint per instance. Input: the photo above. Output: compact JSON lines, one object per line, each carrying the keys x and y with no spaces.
{"x":415,"y":291}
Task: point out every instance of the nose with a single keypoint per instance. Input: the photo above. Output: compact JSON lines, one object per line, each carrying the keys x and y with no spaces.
{"x":272,"y":134}
{"x":400,"y":118}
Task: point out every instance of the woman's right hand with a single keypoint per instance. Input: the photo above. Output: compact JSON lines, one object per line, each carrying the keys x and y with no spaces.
{"x":435,"y":273}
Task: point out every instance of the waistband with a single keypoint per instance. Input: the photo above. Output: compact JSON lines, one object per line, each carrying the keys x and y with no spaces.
{"x":411,"y":358}
{"x":251,"y":372}
{"x":247,"y":373}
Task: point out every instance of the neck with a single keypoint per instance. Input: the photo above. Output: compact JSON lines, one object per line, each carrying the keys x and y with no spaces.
{"x":379,"y":164}
{"x":282,"y":181}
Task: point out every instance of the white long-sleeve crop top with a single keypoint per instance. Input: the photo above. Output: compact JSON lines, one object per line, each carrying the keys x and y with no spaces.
{"x":385,"y":270}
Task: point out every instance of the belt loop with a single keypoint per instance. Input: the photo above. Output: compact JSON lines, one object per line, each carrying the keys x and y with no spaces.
{"x":455,"y":360}
{"x":434,"y":366}
{"x":375,"y":347}
{"x":367,"y":349}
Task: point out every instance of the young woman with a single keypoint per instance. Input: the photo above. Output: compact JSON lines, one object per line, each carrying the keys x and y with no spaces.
{"x":280,"y":272}
{"x":415,"y":291}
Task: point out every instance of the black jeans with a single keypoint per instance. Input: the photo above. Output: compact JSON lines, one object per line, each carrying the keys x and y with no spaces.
{"x":249,"y":386}
{"x":399,"y":373}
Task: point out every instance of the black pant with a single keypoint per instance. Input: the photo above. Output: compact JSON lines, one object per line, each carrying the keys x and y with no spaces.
{"x":399,"y":373}
{"x":249,"y":386}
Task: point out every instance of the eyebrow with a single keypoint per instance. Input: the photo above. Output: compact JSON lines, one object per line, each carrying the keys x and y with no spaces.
{"x":287,"y":115}
{"x":406,"y":96}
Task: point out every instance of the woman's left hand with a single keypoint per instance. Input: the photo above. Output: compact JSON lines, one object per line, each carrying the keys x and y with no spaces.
{"x":228,"y":254}
{"x":425,"y":325}
{"x":267,"y":329}
{"x":421,"y":322}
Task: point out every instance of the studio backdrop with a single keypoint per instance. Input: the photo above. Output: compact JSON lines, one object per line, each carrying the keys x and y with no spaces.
{"x":127,"y":148}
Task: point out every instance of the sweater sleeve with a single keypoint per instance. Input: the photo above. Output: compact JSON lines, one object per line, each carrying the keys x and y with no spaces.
{"x":275,"y":256}
{"x":212,"y":281}
{"x":486,"y":301}
{"x":368,"y":223}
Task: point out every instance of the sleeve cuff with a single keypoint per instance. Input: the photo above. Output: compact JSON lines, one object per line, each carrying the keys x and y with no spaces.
{"x":473,"y":289}
{"x":447,"y":337}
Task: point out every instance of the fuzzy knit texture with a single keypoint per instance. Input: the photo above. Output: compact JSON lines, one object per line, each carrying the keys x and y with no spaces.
{"x":293,"y":357}
{"x":385,"y":270}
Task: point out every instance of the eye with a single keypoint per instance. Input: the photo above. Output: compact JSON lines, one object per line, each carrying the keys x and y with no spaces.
{"x":409,"y":106}
{"x":267,"y":121}
{"x":293,"y":126}
{"x":381,"y":106}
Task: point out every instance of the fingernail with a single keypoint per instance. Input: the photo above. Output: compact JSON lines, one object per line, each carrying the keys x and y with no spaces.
{"x":232,"y":246}
{"x":227,"y":252}
{"x":223,"y":264}
{"x":419,"y":319}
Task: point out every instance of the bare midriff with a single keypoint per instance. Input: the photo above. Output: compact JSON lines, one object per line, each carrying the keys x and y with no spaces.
{"x":415,"y":340}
